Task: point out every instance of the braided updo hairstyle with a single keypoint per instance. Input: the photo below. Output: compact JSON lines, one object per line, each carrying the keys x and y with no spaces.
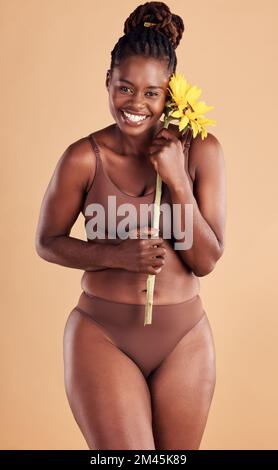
{"x":159,"y":41}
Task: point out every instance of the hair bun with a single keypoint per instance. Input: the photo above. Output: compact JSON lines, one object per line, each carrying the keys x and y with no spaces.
{"x":156,"y":12}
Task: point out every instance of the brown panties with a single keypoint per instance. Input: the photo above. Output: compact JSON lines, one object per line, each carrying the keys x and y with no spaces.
{"x":147,"y":345}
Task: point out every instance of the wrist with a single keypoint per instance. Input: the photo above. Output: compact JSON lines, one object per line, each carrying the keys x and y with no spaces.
{"x":180,"y":187}
{"x":104,"y":254}
{"x":111,"y":255}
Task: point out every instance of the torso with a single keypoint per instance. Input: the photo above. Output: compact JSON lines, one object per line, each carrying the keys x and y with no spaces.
{"x":176,"y":282}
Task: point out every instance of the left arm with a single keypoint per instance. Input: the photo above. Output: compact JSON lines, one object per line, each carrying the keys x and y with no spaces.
{"x":209,"y":205}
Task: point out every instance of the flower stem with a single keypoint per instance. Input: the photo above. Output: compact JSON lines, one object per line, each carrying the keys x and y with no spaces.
{"x":151,"y":277}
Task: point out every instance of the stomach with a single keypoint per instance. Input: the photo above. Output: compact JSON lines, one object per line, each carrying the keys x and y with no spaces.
{"x":175,"y":283}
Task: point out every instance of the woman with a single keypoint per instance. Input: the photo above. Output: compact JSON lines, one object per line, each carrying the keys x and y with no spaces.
{"x":130,"y":385}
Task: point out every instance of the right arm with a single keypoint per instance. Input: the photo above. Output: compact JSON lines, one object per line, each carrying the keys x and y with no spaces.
{"x":61,"y":205}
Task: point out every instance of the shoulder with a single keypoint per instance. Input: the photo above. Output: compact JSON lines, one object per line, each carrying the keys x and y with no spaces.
{"x":205,"y":153}
{"x":78,"y":162}
{"x":76,"y":151}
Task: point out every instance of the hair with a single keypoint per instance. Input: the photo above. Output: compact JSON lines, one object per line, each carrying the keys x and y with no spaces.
{"x":159,"y":41}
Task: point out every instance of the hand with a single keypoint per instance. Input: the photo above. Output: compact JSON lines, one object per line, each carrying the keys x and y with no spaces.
{"x":145,"y":255}
{"x":166,"y":154}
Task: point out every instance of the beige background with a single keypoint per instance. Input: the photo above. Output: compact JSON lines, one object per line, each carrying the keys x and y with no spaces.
{"x":54,"y":57}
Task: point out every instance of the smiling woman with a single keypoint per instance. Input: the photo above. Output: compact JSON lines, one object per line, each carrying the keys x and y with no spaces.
{"x":132,"y":386}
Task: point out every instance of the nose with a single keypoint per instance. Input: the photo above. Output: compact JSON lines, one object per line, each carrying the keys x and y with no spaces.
{"x":138,"y":101}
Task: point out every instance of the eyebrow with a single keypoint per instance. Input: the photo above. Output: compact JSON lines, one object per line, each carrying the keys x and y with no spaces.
{"x":130,"y":83}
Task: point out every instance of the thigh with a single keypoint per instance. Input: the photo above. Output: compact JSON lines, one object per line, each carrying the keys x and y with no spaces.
{"x":107,"y":393}
{"x":182,"y":389}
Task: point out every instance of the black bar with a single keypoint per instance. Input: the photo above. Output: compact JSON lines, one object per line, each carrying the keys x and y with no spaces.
{"x":125,"y":458}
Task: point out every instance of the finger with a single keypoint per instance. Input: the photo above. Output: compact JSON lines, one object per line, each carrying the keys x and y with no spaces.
{"x":166,"y":134}
{"x":159,"y":251}
{"x":152,"y":270}
{"x":155,"y":148}
{"x":158,"y":263}
{"x":155,"y":241}
{"x":160,"y":140}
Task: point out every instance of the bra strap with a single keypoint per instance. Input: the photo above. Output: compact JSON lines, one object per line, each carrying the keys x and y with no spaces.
{"x":94,"y":145}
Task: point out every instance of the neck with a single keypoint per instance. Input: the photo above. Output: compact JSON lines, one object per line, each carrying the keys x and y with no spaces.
{"x":135,"y":146}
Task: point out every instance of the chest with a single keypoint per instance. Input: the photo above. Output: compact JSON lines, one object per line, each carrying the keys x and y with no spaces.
{"x":137,"y":178}
{"x":133,"y":178}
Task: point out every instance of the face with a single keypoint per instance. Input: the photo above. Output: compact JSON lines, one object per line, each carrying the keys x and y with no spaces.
{"x":137,"y":93}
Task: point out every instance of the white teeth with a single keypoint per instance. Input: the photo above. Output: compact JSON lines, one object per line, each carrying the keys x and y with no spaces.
{"x":134,"y":118}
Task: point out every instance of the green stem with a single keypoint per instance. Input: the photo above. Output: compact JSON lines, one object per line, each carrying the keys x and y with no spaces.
{"x":151,"y":277}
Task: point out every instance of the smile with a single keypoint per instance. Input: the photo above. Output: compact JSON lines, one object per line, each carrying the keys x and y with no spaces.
{"x":133,"y":118}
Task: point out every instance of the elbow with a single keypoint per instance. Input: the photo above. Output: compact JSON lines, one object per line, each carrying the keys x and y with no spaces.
{"x":202,"y":271}
{"x":208,"y":267}
{"x":38,"y":245}
{"x":41,"y":247}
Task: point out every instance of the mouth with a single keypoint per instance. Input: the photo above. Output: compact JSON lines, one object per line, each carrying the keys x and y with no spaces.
{"x":134,"y":119}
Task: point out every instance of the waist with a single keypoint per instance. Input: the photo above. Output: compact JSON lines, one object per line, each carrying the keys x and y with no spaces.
{"x":129,"y":287}
{"x":125,"y":312}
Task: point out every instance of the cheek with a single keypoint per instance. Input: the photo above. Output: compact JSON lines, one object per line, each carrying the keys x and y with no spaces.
{"x":161,"y":103}
{"x":118,"y":99}
{"x":113,"y":96}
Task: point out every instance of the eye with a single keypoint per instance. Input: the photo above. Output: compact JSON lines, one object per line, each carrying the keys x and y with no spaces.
{"x":121,"y":87}
{"x":153,"y":94}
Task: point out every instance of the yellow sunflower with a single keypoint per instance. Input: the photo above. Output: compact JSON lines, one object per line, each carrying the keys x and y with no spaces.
{"x":185,"y":107}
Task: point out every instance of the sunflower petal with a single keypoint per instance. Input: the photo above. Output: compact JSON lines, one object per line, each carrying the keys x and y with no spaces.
{"x":204,"y":133}
{"x":177,"y":114}
{"x":183,"y":122}
{"x":193,"y":94}
{"x":201,"y":107}
{"x":195,"y":128}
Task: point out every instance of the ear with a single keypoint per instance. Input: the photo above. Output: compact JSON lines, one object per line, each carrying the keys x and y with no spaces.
{"x":108,"y":78}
